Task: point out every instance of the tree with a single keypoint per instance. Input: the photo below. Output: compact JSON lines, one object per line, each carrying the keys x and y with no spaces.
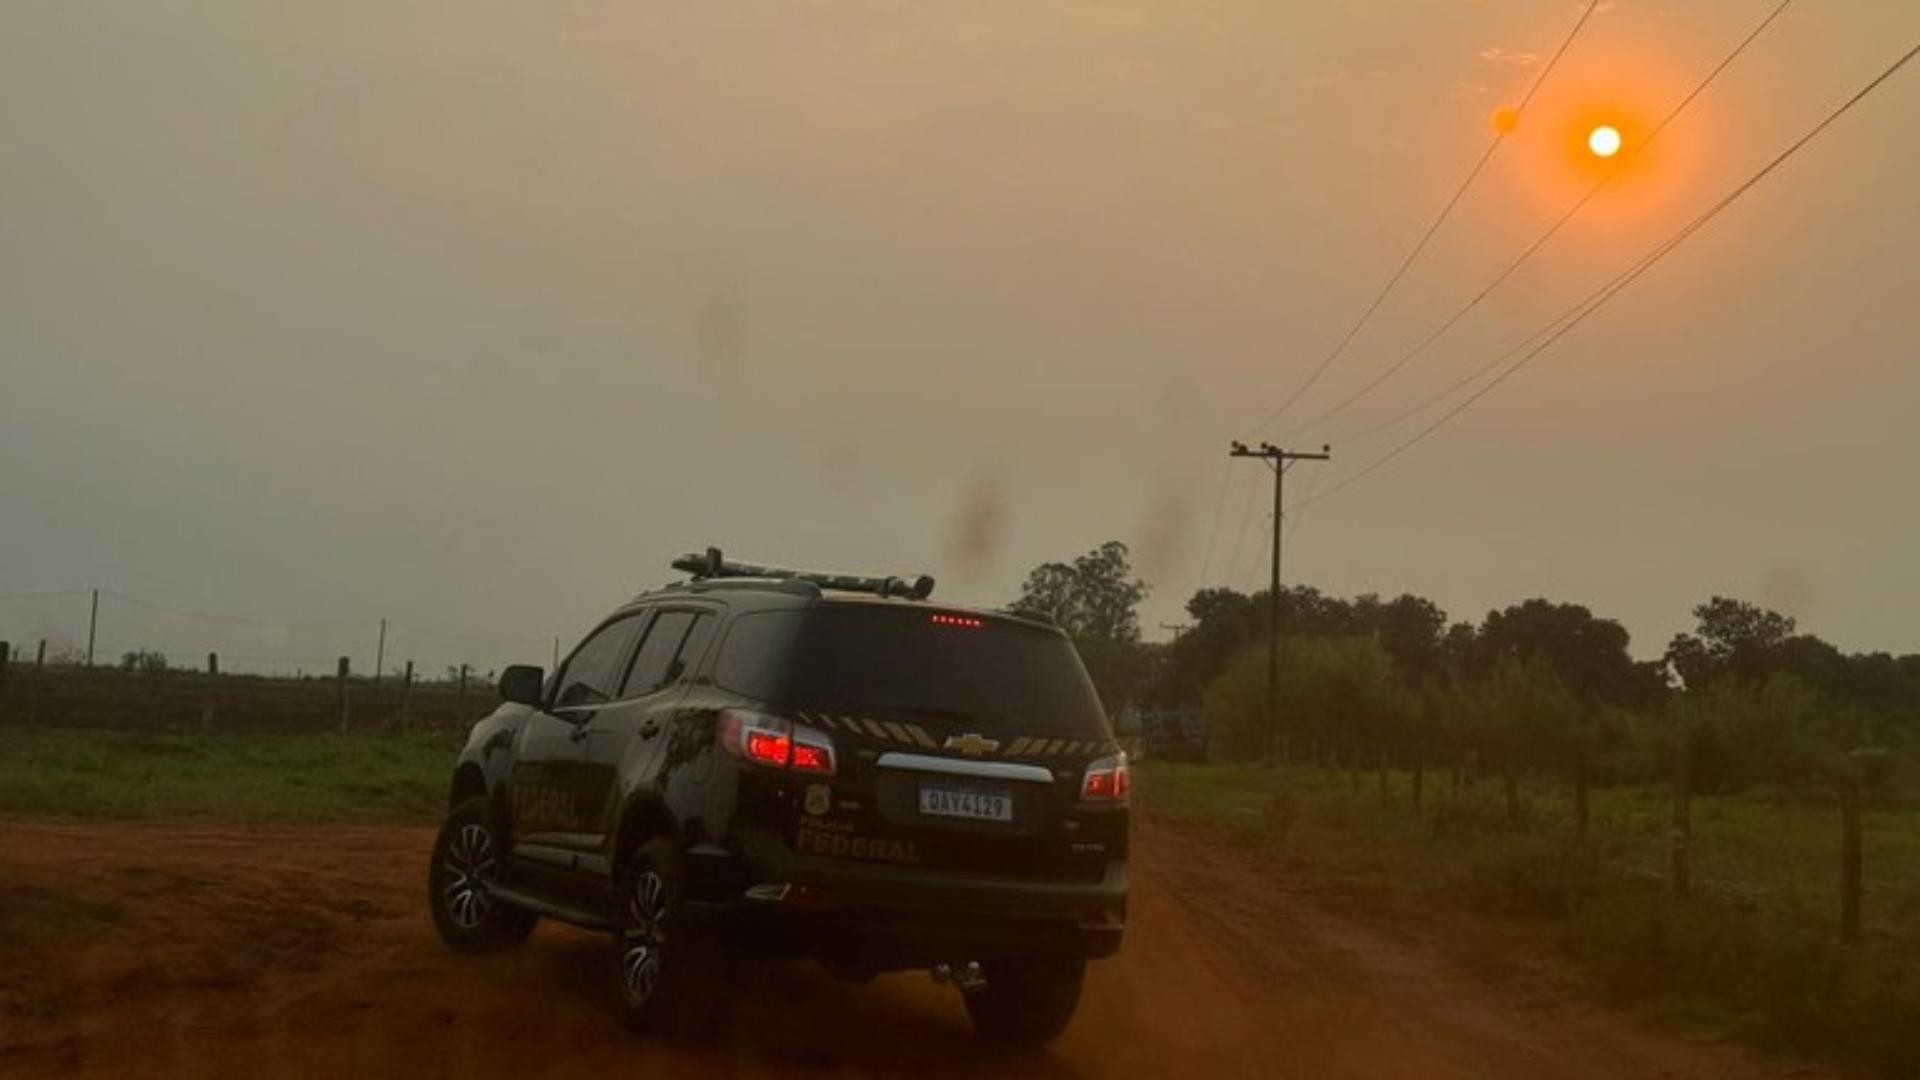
{"x":1341,"y":690}
{"x":1528,"y":715}
{"x":1730,"y":637}
{"x":143,"y":662}
{"x":1589,"y":654}
{"x":1409,"y":627}
{"x":1094,"y":597}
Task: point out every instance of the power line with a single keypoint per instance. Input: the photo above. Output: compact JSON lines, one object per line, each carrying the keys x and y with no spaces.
{"x":1599,"y":299}
{"x":1440,"y":331}
{"x":1366,"y":313}
{"x":51,"y":595}
{"x":1240,"y":535}
{"x":1213,"y":532}
{"x":182,"y":613}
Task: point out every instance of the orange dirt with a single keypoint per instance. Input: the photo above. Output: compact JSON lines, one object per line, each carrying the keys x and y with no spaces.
{"x":279,"y":952}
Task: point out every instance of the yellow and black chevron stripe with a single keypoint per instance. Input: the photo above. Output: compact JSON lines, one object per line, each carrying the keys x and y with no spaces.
{"x":909,"y":734}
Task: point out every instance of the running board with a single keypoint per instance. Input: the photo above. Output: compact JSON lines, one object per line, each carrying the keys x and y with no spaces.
{"x":539,"y":905}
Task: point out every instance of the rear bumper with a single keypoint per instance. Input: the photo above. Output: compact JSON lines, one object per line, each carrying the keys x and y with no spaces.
{"x":892,"y":916}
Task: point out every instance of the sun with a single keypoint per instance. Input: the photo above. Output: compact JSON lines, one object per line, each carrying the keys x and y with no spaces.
{"x":1604,"y":141}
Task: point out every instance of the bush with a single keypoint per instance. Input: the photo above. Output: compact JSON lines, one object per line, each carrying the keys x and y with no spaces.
{"x":1335,"y":689}
{"x":1534,"y":876}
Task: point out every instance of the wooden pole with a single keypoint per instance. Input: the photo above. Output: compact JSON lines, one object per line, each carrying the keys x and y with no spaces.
{"x":406,"y":697}
{"x":463,"y":685}
{"x":340,"y":679}
{"x":1580,"y":801}
{"x":33,"y":690}
{"x":6,"y":659}
{"x":93,"y":622}
{"x":1850,"y":887}
{"x":380,"y":653}
{"x":1680,"y":840}
{"x":213,"y":678}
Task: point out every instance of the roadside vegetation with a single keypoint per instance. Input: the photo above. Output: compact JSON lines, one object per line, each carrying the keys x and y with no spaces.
{"x":1672,"y":826}
{"x":1751,"y":953}
{"x":226,"y":776}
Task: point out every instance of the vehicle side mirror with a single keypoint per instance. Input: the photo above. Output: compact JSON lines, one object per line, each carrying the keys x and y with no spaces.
{"x":522,"y":684}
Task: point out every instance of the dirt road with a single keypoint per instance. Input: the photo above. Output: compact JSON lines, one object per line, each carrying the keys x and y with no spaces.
{"x":278,"y":952}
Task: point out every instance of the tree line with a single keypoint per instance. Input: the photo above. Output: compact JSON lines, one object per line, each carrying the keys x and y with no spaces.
{"x":1744,"y":698}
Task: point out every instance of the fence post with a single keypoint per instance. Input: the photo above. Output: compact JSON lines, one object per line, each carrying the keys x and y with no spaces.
{"x":6,"y":659}
{"x":213,"y":677}
{"x":93,"y":623}
{"x":1850,"y":855}
{"x":463,"y":686}
{"x":406,"y":697}
{"x":33,"y":688}
{"x":1680,"y":840}
{"x":1581,"y":809}
{"x":340,"y":678}
{"x":380,"y":653}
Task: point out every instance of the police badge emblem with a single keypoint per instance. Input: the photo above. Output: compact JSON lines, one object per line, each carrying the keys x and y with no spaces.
{"x":819,"y":799}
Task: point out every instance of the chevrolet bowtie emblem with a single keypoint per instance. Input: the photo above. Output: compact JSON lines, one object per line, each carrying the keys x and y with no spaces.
{"x":971,"y":745}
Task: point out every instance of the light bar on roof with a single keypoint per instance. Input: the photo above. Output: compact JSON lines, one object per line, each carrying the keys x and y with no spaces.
{"x":713,"y":565}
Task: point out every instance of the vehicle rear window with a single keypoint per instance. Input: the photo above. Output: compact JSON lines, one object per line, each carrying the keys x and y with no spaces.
{"x":997,"y":676}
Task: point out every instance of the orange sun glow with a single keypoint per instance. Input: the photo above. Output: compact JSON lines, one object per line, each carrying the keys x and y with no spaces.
{"x":1604,"y":141}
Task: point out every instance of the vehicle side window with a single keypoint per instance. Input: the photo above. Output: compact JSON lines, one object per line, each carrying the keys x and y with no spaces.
{"x":593,"y":670}
{"x":695,"y":646}
{"x":753,"y":655}
{"x":653,"y":666}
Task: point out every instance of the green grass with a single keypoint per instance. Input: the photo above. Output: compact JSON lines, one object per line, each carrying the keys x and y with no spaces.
{"x":306,"y":778}
{"x":1754,"y":953}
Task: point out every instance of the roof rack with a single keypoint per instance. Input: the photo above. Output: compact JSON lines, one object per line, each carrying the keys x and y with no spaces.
{"x":713,"y":565}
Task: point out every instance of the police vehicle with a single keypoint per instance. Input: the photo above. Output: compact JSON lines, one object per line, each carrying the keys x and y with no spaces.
{"x":763,"y":759}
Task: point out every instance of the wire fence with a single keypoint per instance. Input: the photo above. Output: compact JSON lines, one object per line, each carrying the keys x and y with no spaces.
{"x":105,"y":628}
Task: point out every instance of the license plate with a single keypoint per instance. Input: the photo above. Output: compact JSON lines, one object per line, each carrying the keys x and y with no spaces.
{"x":972,"y":803}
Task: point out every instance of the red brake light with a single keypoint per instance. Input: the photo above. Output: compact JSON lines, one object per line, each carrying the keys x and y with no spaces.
{"x":963,"y":622}
{"x":1107,"y":780}
{"x":768,"y":748}
{"x":776,"y":742}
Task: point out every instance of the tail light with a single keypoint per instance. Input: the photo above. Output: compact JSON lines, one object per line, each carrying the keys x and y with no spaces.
{"x":775,"y":742}
{"x":1107,"y":780}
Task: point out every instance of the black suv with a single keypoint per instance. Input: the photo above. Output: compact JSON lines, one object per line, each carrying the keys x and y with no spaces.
{"x":762,"y":759}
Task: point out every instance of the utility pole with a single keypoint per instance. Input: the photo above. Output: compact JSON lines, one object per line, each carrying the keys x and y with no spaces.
{"x":93,"y":623}
{"x":1279,"y":461}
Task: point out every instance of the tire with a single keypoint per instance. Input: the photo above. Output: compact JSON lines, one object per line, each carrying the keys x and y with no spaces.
{"x":469,"y":919}
{"x":669,"y":977}
{"x":1028,"y":1001}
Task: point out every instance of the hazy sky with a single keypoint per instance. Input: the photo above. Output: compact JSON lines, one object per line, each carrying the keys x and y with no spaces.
{"x":471,"y":315}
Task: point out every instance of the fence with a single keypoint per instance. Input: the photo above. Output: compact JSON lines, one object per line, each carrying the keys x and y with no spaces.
{"x":1823,"y":851}
{"x":35,"y":692}
{"x":105,"y":628}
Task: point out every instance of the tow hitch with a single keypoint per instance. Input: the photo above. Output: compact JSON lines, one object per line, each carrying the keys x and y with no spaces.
{"x":966,"y":977}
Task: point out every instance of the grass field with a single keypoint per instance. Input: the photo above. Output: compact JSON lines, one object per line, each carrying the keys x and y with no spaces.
{"x":1754,"y":953}
{"x":309,"y":778}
